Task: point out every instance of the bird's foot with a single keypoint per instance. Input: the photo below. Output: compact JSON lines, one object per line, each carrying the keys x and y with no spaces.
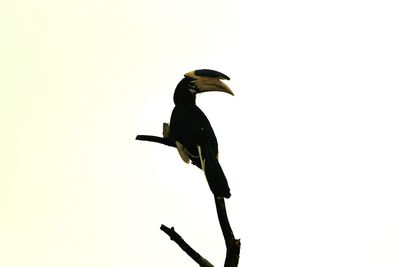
{"x":165,"y":131}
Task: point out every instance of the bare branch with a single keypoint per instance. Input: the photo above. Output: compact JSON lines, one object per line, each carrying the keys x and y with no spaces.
{"x":232,"y":244}
{"x":185,"y":246}
{"x":157,"y":139}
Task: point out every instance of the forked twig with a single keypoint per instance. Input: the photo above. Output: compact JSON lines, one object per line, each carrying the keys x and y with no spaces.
{"x":185,"y":246}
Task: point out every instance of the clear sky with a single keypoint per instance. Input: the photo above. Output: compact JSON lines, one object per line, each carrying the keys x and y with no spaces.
{"x":309,"y":143}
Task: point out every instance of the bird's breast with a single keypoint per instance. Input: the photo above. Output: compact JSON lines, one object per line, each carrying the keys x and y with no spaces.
{"x":190,"y":127}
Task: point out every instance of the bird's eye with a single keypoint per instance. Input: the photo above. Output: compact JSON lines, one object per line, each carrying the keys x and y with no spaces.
{"x":192,"y":84}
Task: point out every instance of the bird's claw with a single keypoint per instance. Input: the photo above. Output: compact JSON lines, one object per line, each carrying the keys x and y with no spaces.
{"x":165,"y":131}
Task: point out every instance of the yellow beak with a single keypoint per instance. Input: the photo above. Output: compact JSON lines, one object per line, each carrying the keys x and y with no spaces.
{"x":206,"y":84}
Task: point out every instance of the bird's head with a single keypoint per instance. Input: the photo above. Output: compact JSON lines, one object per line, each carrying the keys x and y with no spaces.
{"x":199,"y":81}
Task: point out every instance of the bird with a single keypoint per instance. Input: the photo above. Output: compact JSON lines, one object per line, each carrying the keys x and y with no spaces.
{"x":190,"y":130}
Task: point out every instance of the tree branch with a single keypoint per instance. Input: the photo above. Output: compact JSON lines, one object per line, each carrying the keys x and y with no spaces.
{"x":185,"y":246}
{"x":156,"y":139}
{"x":232,"y":244}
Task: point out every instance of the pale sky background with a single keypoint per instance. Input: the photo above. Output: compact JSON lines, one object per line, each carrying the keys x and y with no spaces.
{"x":309,"y":143}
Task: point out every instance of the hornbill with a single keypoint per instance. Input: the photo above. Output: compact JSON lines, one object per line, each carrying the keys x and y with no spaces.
{"x":191,"y":131}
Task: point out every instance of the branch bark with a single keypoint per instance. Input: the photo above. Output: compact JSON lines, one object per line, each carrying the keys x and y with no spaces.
{"x":185,"y":246}
{"x":156,"y":139}
{"x":232,"y":244}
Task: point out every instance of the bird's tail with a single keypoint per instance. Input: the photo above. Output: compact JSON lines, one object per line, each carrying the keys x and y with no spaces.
{"x":215,"y":175}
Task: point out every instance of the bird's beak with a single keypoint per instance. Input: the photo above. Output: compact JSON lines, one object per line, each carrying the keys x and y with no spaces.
{"x":206,"y":84}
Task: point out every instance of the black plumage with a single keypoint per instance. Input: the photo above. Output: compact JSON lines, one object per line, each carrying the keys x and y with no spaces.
{"x":191,"y":131}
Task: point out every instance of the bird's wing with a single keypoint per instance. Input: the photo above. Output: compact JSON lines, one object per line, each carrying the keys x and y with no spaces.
{"x":202,"y":159}
{"x":182,"y":152}
{"x":212,"y":169}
